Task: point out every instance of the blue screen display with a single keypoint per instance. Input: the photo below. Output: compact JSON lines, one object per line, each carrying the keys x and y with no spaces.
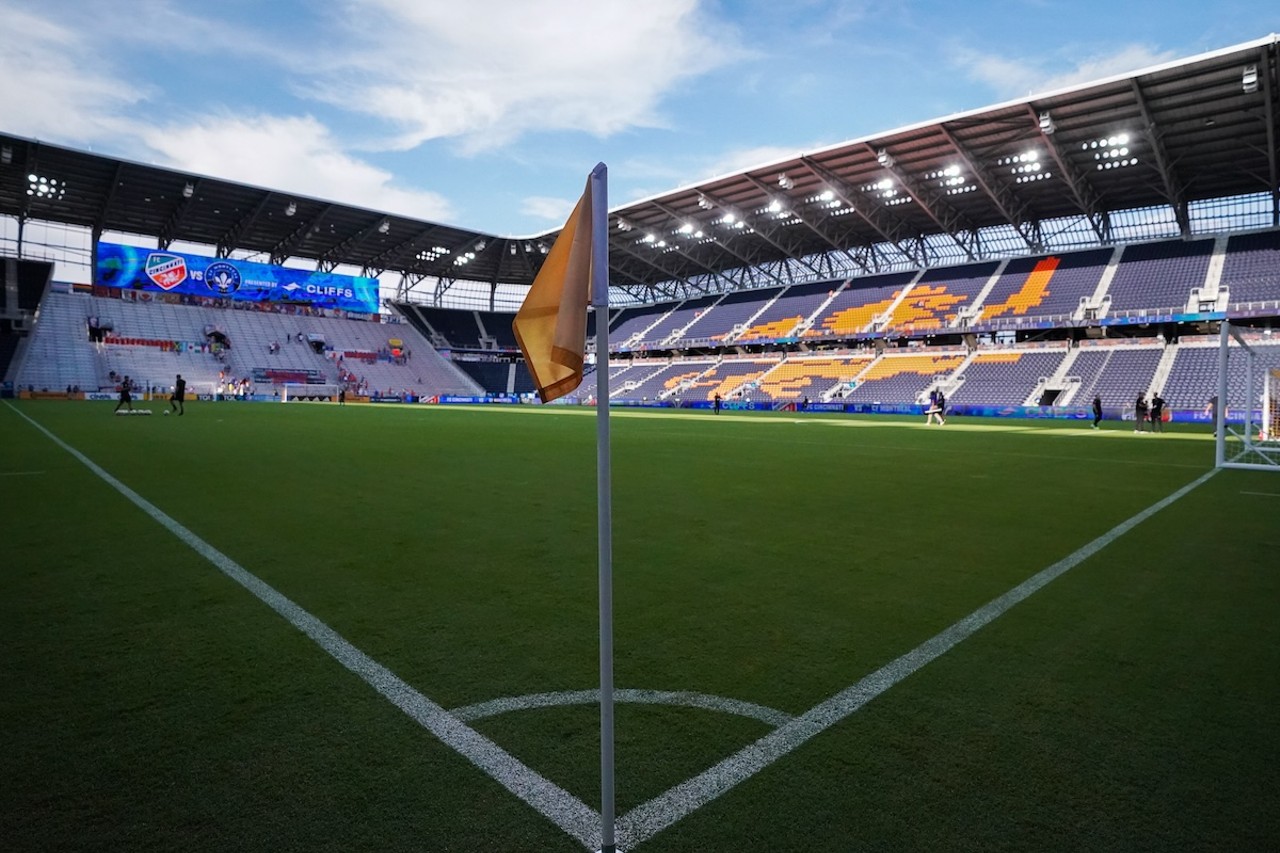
{"x":164,"y":271}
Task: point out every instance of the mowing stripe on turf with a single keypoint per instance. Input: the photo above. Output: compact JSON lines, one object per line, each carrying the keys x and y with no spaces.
{"x":553,"y":802}
{"x":647,"y":820}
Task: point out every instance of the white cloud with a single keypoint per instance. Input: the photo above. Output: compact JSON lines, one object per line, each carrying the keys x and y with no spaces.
{"x":555,"y":210}
{"x":294,"y":154}
{"x":53,"y":87}
{"x":506,"y":68}
{"x":1011,"y":77}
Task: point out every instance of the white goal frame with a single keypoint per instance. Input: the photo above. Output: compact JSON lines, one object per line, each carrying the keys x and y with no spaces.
{"x":293,"y":392}
{"x":1249,"y":440}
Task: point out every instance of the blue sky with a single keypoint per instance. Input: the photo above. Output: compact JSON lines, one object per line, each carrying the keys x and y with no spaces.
{"x":488,"y":114}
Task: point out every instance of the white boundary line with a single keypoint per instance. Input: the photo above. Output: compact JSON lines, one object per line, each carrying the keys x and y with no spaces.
{"x":557,"y":805}
{"x":553,"y":802}
{"x":645,"y":821}
{"x":480,"y":710}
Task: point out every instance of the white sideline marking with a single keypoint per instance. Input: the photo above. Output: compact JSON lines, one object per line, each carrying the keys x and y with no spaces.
{"x":480,"y":710}
{"x":1262,"y":494}
{"x":548,"y":799}
{"x":645,"y":821}
{"x":19,"y":473}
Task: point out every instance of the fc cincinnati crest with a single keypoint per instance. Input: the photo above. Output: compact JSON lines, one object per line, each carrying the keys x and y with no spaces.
{"x":167,"y":271}
{"x":222,"y":277}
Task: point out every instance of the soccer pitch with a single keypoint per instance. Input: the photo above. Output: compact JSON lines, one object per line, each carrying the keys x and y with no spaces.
{"x":777,"y":577}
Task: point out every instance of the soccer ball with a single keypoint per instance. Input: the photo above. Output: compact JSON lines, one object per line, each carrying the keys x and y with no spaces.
{"x":166,"y":411}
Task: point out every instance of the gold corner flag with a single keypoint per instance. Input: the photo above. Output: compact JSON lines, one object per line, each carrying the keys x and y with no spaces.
{"x":551,"y":325}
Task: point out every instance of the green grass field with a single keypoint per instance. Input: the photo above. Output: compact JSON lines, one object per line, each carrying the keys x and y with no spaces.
{"x":151,"y":703}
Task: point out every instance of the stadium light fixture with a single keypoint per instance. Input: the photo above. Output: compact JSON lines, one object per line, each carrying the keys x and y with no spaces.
{"x":1047,"y":127}
{"x":290,"y":209}
{"x":884,"y":158}
{"x":384,"y":226}
{"x":784,"y":181}
{"x":189,"y":190}
{"x":1249,"y":81}
{"x":704,"y":202}
{"x":6,"y":155}
{"x":480,"y":246}
{"x":623,"y":225}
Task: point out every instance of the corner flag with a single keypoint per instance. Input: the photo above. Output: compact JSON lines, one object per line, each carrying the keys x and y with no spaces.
{"x":551,"y":325}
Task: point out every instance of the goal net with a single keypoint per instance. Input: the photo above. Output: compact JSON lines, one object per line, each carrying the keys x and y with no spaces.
{"x":295,"y":392}
{"x":1246,"y":406}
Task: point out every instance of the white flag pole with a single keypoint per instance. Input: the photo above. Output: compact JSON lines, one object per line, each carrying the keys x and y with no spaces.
{"x":604,"y":497}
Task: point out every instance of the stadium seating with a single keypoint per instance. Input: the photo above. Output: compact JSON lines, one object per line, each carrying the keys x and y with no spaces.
{"x":799,"y":378}
{"x":1251,"y":270}
{"x":1154,"y":277}
{"x":796,"y":304}
{"x":1117,"y":374}
{"x":731,"y":312}
{"x":1042,"y":287}
{"x":1193,"y":379}
{"x":853,"y":309}
{"x":633,"y":321}
{"x":934,"y":301}
{"x":1006,"y":377}
{"x":682,"y":315}
{"x":901,"y":378}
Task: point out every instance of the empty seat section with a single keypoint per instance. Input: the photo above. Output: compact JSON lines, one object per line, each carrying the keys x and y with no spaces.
{"x":683,"y":315}
{"x":1005,"y":378}
{"x":1193,"y":379}
{"x":666,"y":381}
{"x":1116,"y":374}
{"x":934,"y":301}
{"x":798,"y":378}
{"x":796,"y":304}
{"x":1251,"y":269}
{"x":730,"y":379}
{"x":731,"y":312}
{"x":497,"y":325}
{"x":1159,"y":276}
{"x":458,"y":328}
{"x":1049,"y":286}
{"x":853,"y":308}
{"x":901,"y":378}
{"x":628,"y":327}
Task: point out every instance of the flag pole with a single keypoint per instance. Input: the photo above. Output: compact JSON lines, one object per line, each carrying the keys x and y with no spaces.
{"x":604,"y":497}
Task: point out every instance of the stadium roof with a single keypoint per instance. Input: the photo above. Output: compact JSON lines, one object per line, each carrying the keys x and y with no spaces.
{"x":990,"y":182}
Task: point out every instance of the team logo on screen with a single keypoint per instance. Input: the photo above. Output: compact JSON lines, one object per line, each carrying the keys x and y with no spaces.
{"x":166,"y":271}
{"x":222,"y":277}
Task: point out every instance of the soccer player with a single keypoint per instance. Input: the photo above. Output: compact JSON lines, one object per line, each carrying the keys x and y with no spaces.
{"x":1097,"y":410}
{"x":716,"y":403}
{"x":179,"y":394}
{"x":126,"y":398}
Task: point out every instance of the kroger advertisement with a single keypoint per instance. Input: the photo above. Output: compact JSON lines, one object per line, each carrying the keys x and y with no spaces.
{"x":164,"y":271}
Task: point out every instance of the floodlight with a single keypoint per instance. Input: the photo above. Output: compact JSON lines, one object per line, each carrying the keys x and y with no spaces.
{"x":704,"y":202}
{"x":784,"y":181}
{"x":623,"y":225}
{"x":884,"y":158}
{"x":1250,"y":79}
{"x":1047,"y":126}
{"x":6,"y":154}
{"x":384,"y":226}
{"x":480,"y":246}
{"x":290,"y":209}
{"x":188,"y":190}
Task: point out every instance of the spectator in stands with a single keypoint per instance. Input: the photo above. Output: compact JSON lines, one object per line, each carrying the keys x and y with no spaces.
{"x":179,"y":395}
{"x":1157,"y":412}
{"x":1140,"y":413}
{"x":126,"y":398}
{"x":1097,"y":410}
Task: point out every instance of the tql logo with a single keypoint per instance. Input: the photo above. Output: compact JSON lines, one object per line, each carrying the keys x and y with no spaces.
{"x":167,"y":271}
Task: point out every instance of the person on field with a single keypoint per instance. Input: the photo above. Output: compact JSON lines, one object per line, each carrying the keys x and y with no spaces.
{"x":179,"y":395}
{"x":1097,"y":410}
{"x":716,"y":403}
{"x":126,"y":396}
{"x":1157,"y":412}
{"x":1140,"y":410}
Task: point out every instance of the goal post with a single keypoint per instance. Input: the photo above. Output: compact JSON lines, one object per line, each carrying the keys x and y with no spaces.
{"x":1247,"y":410}
{"x":294,"y":392}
